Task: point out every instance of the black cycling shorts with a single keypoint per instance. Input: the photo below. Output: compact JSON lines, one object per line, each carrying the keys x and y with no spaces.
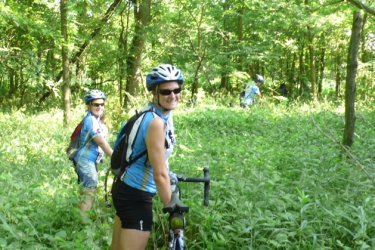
{"x":133,"y":206}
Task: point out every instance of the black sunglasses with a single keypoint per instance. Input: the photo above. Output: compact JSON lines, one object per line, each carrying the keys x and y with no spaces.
{"x":168,"y":91}
{"x":97,"y":104}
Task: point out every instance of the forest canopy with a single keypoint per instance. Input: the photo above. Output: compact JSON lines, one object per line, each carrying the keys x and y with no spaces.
{"x":218,"y":45}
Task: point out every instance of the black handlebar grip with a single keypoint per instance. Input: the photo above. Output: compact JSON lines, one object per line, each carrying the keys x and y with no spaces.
{"x":206,"y":197}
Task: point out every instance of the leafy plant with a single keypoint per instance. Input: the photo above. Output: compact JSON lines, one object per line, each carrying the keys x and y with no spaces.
{"x":276,"y":181}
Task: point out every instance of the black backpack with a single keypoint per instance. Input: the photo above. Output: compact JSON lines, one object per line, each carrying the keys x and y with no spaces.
{"x":119,"y":162}
{"x":121,"y":150}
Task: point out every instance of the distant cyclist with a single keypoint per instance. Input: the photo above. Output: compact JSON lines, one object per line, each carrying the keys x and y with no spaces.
{"x":251,"y":91}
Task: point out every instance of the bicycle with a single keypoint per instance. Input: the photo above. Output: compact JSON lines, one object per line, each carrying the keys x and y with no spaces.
{"x":176,"y":209}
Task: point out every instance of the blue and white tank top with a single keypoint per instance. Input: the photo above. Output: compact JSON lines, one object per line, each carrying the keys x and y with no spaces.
{"x":140,"y":174}
{"x":92,"y":127}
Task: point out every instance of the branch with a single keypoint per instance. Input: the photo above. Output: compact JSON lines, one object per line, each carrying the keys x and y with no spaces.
{"x":333,"y":3}
{"x":362,"y":6}
{"x":365,"y":121}
{"x":332,"y":138}
{"x":96,"y":31}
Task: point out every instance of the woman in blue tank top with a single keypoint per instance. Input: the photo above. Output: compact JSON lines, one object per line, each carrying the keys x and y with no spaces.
{"x":93,"y":137}
{"x":133,"y":194}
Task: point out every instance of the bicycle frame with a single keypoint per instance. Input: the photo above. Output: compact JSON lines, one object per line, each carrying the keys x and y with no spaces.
{"x":176,"y":210}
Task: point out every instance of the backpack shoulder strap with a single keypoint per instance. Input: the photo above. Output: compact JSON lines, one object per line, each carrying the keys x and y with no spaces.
{"x":80,"y":131}
{"x":131,"y":161}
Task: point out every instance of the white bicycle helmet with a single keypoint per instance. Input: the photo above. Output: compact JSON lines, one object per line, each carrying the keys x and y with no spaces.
{"x":259,"y":78}
{"x":93,"y":95}
{"x":163,"y":73}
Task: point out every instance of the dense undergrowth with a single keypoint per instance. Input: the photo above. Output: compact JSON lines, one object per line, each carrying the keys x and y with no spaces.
{"x":277,"y":182}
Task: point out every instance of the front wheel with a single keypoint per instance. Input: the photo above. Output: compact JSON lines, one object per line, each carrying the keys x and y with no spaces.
{"x":176,"y":241}
{"x":179,"y":244}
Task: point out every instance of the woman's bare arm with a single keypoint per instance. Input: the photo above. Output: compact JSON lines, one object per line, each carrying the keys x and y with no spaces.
{"x":103,"y":144}
{"x":155,"y":140}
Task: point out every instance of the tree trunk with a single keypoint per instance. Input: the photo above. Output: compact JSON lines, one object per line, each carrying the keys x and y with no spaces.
{"x":321,"y":69}
{"x":225,"y":70}
{"x":199,"y":50}
{"x":123,"y":48}
{"x":65,"y":61}
{"x":321,"y":64}
{"x":337,"y":75}
{"x":301,"y":65}
{"x":22,"y":87}
{"x":142,"y":20}
{"x":350,"y":87}
{"x":12,"y":82}
{"x":201,"y":55}
{"x":240,"y":26}
{"x":312,"y":63}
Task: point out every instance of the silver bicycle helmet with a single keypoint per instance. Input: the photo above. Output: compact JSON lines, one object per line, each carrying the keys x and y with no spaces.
{"x":93,"y":95}
{"x":259,"y":78}
{"x":163,"y":73}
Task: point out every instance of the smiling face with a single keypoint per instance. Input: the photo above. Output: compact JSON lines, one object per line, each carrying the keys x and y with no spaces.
{"x":97,"y":107}
{"x":168,"y":94}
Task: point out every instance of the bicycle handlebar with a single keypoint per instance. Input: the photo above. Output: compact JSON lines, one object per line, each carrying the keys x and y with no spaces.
{"x":205,"y":179}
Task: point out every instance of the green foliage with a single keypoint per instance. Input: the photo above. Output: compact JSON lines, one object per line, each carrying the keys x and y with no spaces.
{"x":276,"y":181}
{"x":213,"y":43}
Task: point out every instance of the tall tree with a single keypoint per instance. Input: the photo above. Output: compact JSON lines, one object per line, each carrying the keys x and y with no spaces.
{"x":199,"y":47}
{"x":224,"y":84}
{"x":123,"y":47}
{"x":240,"y":36}
{"x":312,"y":61}
{"x":321,"y":64}
{"x":311,"y":47}
{"x":65,"y":60}
{"x":350,"y":88}
{"x":142,"y":15}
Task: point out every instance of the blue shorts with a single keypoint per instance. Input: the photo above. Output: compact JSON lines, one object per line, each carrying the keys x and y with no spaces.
{"x":87,"y":174}
{"x":248,"y":101}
